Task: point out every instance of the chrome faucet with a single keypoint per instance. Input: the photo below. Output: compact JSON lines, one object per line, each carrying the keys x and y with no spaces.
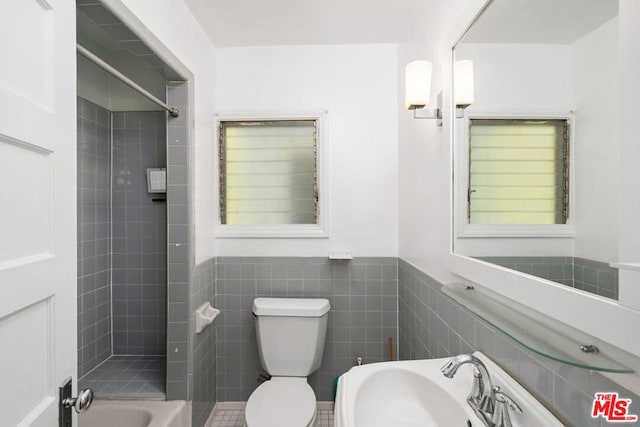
{"x":482,"y":397}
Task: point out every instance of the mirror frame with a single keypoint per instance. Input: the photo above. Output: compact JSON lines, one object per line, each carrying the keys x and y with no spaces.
{"x":596,"y":317}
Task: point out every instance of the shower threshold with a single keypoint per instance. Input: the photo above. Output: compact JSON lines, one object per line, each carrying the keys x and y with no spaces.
{"x":127,"y":377}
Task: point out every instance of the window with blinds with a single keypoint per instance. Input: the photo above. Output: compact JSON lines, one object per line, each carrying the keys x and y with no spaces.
{"x":518,"y":171}
{"x":268,"y":172}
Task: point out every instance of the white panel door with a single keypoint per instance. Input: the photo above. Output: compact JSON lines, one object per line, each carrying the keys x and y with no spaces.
{"x":37,"y":208}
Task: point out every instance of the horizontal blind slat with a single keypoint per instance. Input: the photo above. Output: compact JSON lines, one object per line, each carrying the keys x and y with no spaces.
{"x":513,"y":218}
{"x":516,"y":180}
{"x":516,"y":167}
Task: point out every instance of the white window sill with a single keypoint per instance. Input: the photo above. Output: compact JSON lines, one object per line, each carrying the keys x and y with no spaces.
{"x":471,"y":231}
{"x":294,"y":231}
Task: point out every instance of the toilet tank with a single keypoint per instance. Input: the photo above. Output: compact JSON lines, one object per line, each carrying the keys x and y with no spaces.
{"x":291,"y":334}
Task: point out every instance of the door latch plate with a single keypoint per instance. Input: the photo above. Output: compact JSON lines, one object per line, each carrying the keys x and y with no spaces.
{"x":64,"y":413}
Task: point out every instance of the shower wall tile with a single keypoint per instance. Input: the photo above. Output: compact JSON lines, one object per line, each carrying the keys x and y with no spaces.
{"x":203,"y":345}
{"x":364,"y":313}
{"x":139,"y":235}
{"x":180,"y":385}
{"x":431,"y":325}
{"x":94,"y":245}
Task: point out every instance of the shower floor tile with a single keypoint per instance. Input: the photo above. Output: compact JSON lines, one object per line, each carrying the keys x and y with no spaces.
{"x":235,"y":418}
{"x":127,"y":377}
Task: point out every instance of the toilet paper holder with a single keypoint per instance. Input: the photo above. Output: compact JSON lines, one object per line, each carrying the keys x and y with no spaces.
{"x":204,"y":315}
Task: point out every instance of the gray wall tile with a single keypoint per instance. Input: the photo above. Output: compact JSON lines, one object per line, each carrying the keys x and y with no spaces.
{"x":588,"y":275}
{"x":94,"y":246}
{"x":139,"y":257}
{"x":180,"y":269}
{"x":359,"y":322}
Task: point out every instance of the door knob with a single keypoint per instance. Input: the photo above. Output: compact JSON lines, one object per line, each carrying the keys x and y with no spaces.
{"x":81,"y":403}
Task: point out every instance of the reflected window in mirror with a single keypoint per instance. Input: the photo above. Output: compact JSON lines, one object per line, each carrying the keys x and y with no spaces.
{"x":518,"y":171}
{"x":528,"y":69}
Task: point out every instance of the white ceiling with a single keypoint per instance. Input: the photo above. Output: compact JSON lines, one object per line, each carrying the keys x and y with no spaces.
{"x":293,"y":22}
{"x":290,"y":22}
{"x":540,"y":21}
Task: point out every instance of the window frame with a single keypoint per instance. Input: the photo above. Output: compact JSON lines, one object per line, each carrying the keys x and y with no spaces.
{"x":275,"y":231}
{"x":462,"y":227}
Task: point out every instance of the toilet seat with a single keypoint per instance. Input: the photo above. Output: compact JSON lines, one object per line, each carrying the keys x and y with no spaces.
{"x":281,"y":402}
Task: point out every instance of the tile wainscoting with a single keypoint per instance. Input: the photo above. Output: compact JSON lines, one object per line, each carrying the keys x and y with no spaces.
{"x":202,"y":366}
{"x":371,"y":299}
{"x":363,"y":297}
{"x":588,"y":275}
{"x":431,"y":325}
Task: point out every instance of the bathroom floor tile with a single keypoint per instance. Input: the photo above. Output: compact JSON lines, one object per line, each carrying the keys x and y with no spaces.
{"x":235,"y":418}
{"x":324,"y":418}
{"x":127,"y":377}
{"x":227,"y":418}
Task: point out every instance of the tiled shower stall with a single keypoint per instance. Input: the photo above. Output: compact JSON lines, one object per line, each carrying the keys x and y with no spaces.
{"x":122,"y":292}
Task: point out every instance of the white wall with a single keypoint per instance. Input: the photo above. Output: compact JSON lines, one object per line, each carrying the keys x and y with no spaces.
{"x":630,"y":148}
{"x":174,"y":25}
{"x":596,"y":95}
{"x":425,"y":237}
{"x":424,"y":193}
{"x":629,"y":243}
{"x":356,"y":84}
{"x":525,"y":77}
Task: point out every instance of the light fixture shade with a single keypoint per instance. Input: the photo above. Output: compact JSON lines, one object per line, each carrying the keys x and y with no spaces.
{"x":463,"y":83}
{"x":417,"y":84}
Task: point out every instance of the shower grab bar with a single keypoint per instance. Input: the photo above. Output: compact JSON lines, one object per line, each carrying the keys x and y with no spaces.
{"x":124,"y":79}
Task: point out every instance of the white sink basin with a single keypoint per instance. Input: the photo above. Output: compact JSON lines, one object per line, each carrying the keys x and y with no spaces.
{"x":415,"y":393}
{"x":393,"y":396}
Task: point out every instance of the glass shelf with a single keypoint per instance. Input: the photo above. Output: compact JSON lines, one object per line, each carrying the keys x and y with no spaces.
{"x":530,"y":333}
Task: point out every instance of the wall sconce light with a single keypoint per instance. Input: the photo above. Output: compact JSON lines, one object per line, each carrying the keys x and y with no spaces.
{"x":463,"y":85}
{"x":418,"y":91}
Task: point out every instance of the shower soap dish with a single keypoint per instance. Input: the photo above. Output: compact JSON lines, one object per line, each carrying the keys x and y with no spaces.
{"x":204,"y":315}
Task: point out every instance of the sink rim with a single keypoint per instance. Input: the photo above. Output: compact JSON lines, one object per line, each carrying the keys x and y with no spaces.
{"x":357,"y":376}
{"x":457,"y":387}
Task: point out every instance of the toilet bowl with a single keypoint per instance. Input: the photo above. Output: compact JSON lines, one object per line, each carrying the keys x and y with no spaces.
{"x":291,"y":335}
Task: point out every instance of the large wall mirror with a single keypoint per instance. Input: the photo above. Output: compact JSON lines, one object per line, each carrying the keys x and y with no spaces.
{"x":537,"y":155}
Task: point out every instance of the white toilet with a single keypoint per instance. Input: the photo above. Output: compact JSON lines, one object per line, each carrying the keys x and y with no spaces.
{"x":291,"y":334}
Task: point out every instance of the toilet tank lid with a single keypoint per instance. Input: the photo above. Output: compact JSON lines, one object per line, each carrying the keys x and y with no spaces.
{"x":297,"y":307}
